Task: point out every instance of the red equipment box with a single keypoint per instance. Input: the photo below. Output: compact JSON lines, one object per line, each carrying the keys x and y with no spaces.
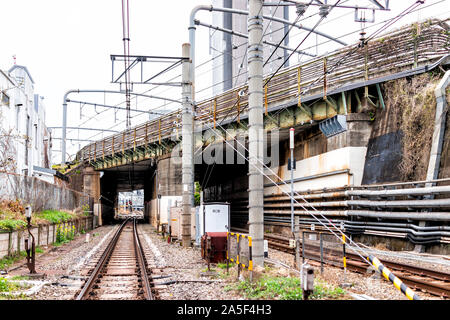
{"x":218,"y":250}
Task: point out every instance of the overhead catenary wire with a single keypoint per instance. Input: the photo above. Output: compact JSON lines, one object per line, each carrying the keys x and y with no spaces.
{"x":205,"y":63}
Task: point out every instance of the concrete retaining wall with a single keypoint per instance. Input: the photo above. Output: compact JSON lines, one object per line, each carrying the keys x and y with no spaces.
{"x":14,"y":241}
{"x":39,"y":194}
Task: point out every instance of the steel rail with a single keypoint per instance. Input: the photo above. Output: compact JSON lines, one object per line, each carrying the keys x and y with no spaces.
{"x":101,"y":264}
{"x":147,"y":289}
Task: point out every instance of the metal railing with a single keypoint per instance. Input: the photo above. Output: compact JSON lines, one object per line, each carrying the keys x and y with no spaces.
{"x":398,"y":51}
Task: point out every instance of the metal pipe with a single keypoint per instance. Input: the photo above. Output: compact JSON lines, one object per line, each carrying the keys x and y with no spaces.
{"x":371,"y":193}
{"x":199,"y":23}
{"x":79,"y":128}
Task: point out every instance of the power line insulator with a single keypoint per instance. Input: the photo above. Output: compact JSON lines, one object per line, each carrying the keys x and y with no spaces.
{"x":323,"y":11}
{"x":362,"y":39}
{"x":301,"y":8}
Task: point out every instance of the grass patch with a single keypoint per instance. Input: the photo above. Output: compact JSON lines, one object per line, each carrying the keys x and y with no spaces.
{"x":282,"y":288}
{"x":55,"y":216}
{"x":7,"y":261}
{"x":8,"y":286}
{"x":20,"y":278}
{"x":12,"y":224}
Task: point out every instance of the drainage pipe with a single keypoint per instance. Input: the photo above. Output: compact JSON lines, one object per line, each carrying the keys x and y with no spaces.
{"x":369,"y":193}
{"x":199,"y":23}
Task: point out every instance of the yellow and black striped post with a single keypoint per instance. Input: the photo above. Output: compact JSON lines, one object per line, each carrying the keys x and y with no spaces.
{"x":237,"y":255}
{"x":344,"y":257}
{"x":228,"y":249}
{"x":411,"y":295}
{"x":250,"y":258}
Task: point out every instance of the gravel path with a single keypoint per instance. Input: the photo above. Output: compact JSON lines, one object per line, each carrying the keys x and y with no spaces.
{"x":181,"y":265}
{"x":57,"y":263}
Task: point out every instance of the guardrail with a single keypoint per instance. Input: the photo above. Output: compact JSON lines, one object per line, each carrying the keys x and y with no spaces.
{"x":238,"y":259}
{"x":400,"y":50}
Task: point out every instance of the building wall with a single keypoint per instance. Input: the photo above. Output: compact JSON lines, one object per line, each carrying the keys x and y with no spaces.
{"x":23,"y":122}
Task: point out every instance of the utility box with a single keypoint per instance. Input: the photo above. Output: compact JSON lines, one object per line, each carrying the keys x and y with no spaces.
{"x":175,"y":222}
{"x":214,"y":217}
{"x":214,"y":246}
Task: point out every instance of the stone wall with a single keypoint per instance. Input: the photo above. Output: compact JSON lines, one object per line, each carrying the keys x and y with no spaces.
{"x":39,"y":194}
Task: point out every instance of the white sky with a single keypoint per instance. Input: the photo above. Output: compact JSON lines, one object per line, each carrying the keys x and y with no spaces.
{"x":67,"y":45}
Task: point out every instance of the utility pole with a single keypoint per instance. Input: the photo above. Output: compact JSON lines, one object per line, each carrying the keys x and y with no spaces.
{"x":187,"y":147}
{"x":256,"y":128}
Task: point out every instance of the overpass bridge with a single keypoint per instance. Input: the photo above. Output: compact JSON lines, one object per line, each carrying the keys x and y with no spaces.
{"x":349,"y":83}
{"x":297,"y":96}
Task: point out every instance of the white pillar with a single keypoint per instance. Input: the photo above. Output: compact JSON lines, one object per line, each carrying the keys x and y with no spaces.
{"x":187,"y":147}
{"x":256,"y":127}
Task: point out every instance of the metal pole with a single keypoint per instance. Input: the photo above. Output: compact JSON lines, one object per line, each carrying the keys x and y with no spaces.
{"x":256,"y":127}
{"x":188,"y":148}
{"x":64,"y":125}
{"x":291,"y":161}
{"x":303,"y":246}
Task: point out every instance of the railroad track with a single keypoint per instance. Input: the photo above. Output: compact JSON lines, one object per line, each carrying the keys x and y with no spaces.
{"x":427,"y":280}
{"x":121,"y":272}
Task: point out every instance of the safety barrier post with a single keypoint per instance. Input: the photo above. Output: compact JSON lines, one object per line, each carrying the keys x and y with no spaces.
{"x":321,"y":252}
{"x":237,"y":256}
{"x":411,"y":295}
{"x":228,"y":250}
{"x":303,"y":246}
{"x":344,"y":257}
{"x":250,"y":259}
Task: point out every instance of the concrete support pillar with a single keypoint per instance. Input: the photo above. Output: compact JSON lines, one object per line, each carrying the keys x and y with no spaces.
{"x":256,"y":129}
{"x":91,"y":185}
{"x":187,"y":147}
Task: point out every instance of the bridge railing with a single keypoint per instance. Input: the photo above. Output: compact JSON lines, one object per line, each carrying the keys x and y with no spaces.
{"x":397,"y":51}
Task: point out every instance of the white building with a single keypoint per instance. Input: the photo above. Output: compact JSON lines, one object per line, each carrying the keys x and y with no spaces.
{"x":25,"y":142}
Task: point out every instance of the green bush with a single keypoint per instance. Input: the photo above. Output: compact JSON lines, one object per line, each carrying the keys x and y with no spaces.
{"x":55,"y":216}
{"x":12,"y":224}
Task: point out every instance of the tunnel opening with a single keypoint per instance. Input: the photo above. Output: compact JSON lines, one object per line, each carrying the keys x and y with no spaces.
{"x":133,"y":182}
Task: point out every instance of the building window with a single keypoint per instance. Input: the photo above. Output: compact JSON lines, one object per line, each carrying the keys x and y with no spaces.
{"x":35,"y":136}
{"x":5,"y":98}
